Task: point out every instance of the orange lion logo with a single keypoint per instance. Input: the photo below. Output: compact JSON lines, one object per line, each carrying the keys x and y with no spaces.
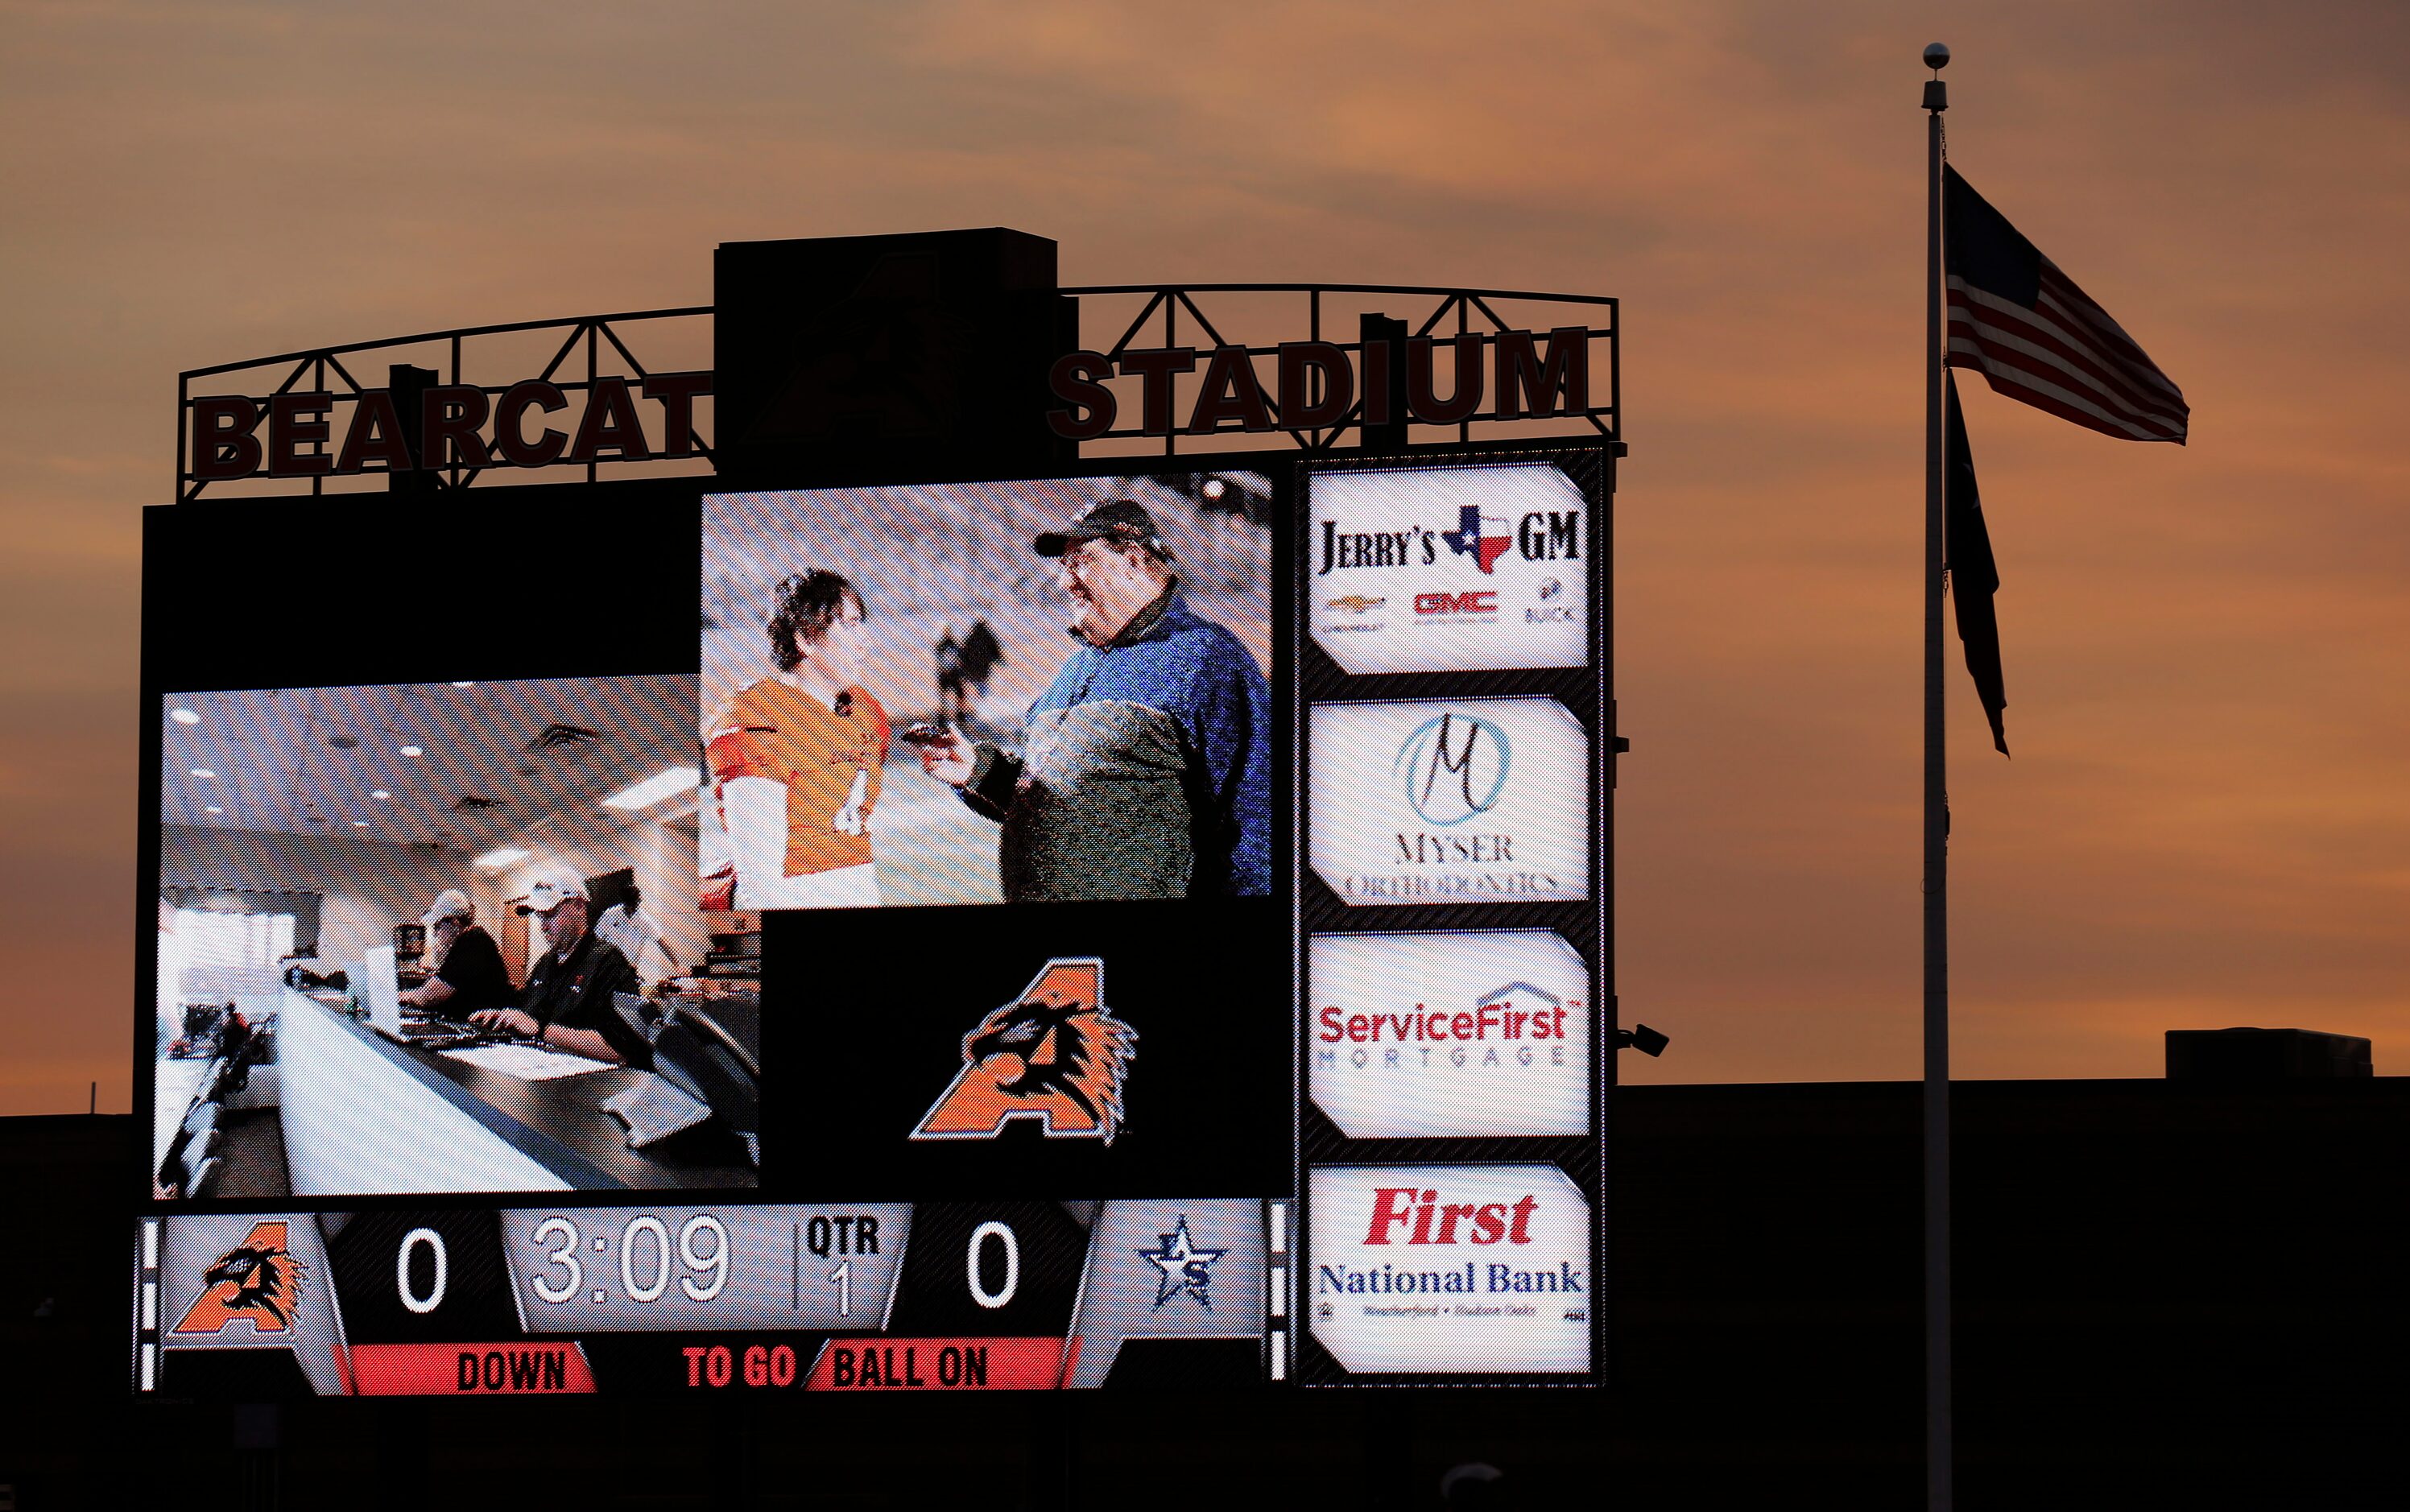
{"x":1056,"y":1056}
{"x":258,"y":1281}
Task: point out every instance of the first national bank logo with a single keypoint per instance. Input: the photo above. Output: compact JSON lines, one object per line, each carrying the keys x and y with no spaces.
{"x":1055,"y":1056}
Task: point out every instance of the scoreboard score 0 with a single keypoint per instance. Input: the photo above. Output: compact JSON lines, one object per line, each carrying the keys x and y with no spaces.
{"x":1094,"y":930}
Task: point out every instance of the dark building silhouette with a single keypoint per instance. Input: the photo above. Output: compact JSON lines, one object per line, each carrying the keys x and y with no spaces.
{"x":2187,"y":1292}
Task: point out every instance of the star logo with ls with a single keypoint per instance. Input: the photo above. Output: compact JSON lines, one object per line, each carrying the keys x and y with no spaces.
{"x":1185,"y":1269}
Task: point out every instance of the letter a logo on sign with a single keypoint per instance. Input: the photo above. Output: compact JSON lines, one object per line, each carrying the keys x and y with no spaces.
{"x":258,"y":1281}
{"x":1055,"y":1056}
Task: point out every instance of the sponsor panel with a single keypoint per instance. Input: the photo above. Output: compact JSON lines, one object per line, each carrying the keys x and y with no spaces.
{"x":1451,"y":1270}
{"x":1461,"y":569}
{"x":1450,"y":1035}
{"x":1482,"y":800}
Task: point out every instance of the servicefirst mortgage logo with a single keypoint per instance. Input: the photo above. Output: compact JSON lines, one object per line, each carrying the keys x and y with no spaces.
{"x":1450,"y":1035}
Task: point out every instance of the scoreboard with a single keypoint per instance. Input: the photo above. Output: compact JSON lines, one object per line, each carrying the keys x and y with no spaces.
{"x":1086,"y":930}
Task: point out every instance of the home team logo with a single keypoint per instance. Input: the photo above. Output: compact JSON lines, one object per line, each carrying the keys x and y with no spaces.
{"x":257,"y":1281}
{"x":1057,"y":1057}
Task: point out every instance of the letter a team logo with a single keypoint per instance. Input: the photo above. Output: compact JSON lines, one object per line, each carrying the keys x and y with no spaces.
{"x":258,"y":1281}
{"x":1056,"y":1056}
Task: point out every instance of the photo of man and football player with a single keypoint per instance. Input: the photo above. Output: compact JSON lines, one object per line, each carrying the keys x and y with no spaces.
{"x":1033,"y":692}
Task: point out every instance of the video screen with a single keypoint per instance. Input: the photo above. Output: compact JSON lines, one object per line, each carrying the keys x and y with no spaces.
{"x":438,"y":937}
{"x":1049,"y":691}
{"x":1109,"y":930}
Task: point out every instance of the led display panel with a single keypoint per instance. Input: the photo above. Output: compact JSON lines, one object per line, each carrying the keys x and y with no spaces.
{"x":1097,"y":930}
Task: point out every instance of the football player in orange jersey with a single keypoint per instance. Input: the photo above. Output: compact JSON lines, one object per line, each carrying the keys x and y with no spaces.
{"x":795,"y":757}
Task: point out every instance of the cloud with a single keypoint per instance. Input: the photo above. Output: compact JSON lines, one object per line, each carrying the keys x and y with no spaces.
{"x":2204,"y":646}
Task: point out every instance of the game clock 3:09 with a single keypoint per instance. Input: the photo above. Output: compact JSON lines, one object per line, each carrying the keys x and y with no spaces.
{"x":611,"y":1270}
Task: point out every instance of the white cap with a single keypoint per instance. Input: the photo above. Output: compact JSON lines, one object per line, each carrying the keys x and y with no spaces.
{"x":449,"y":904}
{"x":554,"y":886}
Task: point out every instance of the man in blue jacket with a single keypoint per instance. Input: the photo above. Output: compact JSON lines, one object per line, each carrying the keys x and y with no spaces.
{"x":1145,"y":769}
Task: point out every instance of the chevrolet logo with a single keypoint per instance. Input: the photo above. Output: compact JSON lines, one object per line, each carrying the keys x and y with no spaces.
{"x":1356,"y":603}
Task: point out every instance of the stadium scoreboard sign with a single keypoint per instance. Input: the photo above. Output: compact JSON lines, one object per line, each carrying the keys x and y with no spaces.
{"x":1093,"y":925}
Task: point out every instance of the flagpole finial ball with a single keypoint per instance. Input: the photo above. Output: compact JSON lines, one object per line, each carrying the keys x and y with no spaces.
{"x":1937,"y":56}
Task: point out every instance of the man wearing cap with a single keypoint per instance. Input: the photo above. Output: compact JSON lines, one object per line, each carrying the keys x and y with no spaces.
{"x":567,"y":1004}
{"x":469,"y":976}
{"x":1145,"y":769}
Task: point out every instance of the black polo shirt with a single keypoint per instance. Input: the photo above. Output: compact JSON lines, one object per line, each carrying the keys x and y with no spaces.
{"x":473,"y":968}
{"x":575,"y":993}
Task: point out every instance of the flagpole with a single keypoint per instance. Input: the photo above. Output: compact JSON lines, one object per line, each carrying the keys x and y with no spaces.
{"x":1938,"y":1437}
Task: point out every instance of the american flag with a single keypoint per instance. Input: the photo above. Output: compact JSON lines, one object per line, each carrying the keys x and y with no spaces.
{"x":2025,"y":327}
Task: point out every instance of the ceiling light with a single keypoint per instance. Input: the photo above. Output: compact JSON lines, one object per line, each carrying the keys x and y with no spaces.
{"x":215,"y":810}
{"x":656,"y":787}
{"x":414,"y":750}
{"x":509,"y":855}
{"x":464,"y":685}
{"x":183,"y":716}
{"x":359,"y":823}
{"x":381,"y":795}
{"x":204,"y":773}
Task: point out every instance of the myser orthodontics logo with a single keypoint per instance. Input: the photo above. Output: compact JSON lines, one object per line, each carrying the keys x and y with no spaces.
{"x":1472,"y":562}
{"x":1478,"y":800}
{"x":1454,"y":1035}
{"x":1451,"y":1269}
{"x":1445,"y":759}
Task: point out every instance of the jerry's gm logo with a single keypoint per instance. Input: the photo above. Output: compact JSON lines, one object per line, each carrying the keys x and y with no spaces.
{"x":1055,"y":1056}
{"x":1483,"y":568}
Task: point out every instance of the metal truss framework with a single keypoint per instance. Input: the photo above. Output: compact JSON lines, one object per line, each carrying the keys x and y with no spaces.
{"x":1244,"y":309}
{"x":1470,"y":312}
{"x":314,"y":367}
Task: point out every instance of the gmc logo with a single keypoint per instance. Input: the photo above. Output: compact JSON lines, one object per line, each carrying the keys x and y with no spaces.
{"x":1484,"y":601}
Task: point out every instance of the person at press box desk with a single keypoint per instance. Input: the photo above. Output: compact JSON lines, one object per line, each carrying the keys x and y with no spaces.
{"x":567,"y":1004}
{"x":636,"y":936}
{"x":1145,"y":768}
{"x":796,"y":757}
{"x":469,"y":977}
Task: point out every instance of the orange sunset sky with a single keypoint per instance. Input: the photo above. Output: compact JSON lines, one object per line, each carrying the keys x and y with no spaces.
{"x":2208,"y":648}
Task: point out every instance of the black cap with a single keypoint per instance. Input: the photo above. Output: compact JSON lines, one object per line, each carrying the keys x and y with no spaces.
{"x":1115,"y":520}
